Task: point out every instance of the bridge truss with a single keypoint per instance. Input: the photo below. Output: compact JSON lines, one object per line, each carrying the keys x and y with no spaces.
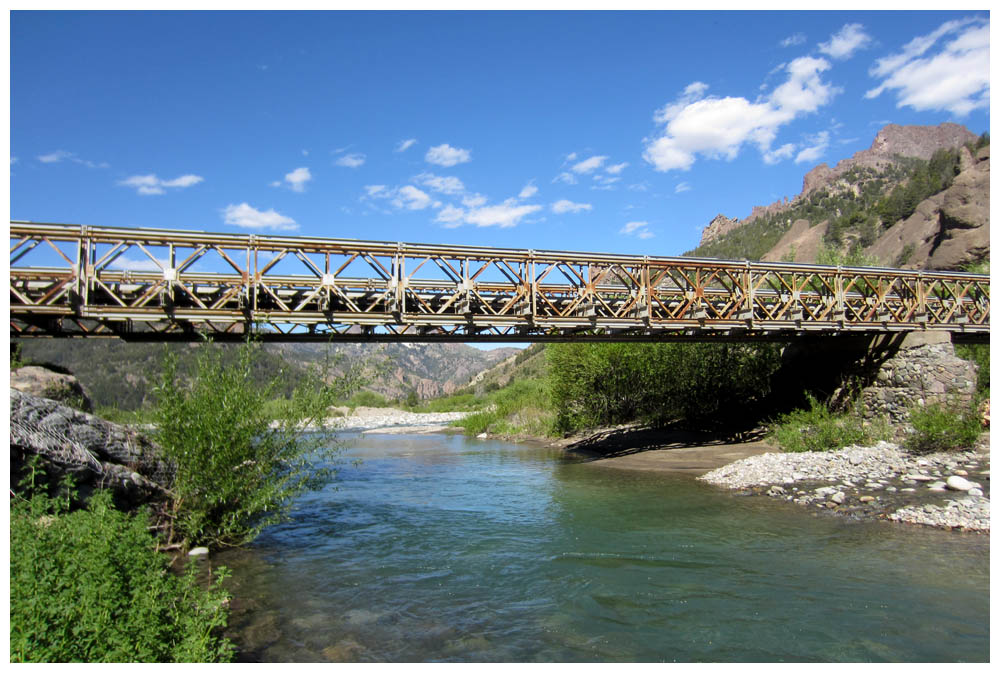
{"x":166,"y":285}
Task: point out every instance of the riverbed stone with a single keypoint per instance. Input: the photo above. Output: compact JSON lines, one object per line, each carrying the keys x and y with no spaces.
{"x":958,"y":483}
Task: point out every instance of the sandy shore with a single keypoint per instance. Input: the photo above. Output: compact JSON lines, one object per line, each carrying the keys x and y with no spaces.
{"x":631,"y":447}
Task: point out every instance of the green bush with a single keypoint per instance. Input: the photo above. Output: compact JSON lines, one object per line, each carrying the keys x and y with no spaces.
{"x":943,"y":427}
{"x":697,"y":385}
{"x":238,"y":466}
{"x":367,"y":398}
{"x":819,"y":429}
{"x":89,"y":586}
{"x":521,"y":408}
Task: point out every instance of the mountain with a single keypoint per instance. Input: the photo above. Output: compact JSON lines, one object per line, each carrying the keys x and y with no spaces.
{"x":918,"y":198}
{"x":117,"y":373}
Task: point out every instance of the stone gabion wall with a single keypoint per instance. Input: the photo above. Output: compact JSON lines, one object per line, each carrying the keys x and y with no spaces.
{"x":919,"y":375}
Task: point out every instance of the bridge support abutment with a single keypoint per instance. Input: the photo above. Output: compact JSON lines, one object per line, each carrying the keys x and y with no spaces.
{"x":887,"y":374}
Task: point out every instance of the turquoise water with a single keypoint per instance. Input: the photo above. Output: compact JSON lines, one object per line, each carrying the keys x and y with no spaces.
{"x":444,"y":548}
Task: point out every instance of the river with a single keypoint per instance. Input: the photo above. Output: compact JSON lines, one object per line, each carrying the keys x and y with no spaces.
{"x":445,"y":548}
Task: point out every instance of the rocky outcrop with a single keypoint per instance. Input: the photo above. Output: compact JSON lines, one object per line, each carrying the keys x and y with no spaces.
{"x":44,"y":382}
{"x":891,"y":142}
{"x":948,"y":230}
{"x":95,"y":453}
{"x":719,"y":226}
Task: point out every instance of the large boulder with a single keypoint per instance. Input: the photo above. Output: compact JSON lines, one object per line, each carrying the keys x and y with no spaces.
{"x":53,"y":385}
{"x":94,"y":452}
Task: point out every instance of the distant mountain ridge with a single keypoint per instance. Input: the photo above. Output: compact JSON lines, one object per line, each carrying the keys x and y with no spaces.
{"x":117,"y":373}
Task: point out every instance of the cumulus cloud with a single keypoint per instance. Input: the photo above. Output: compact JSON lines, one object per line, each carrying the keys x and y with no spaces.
{"x":296,"y":180}
{"x":844,"y":43}
{"x":934,"y":73}
{"x":682,"y":187}
{"x":588,"y":165}
{"x":566,"y":206}
{"x":504,"y":215}
{"x":351,"y":160}
{"x":473,"y":200}
{"x":528,"y":191}
{"x":442,"y":184}
{"x":780,"y":154}
{"x":150,"y":184}
{"x":697,"y":124}
{"x":637,"y":229}
{"x":450,"y":216}
{"x":446,"y":155}
{"x":411,"y":198}
{"x":616,"y":169}
{"x":405,"y":144}
{"x":248,"y":217}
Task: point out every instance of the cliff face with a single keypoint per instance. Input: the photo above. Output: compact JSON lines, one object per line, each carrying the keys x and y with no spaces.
{"x":946,"y":231}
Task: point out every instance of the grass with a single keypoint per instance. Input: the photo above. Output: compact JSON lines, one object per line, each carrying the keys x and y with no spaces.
{"x":819,"y":429}
{"x":522,"y":408}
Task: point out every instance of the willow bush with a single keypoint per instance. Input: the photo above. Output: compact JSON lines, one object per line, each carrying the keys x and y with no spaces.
{"x":241,"y":460}
{"x":702,"y":385}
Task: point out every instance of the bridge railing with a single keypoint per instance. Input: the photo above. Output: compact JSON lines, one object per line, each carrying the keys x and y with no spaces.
{"x":69,"y":280}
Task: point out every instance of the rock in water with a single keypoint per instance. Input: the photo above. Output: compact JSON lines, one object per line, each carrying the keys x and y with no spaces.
{"x":957,"y":483}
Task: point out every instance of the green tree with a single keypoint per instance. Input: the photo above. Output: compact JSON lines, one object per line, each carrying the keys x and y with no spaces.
{"x":238,"y":467}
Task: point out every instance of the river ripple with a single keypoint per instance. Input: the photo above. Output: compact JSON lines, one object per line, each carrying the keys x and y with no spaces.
{"x":444,"y":548}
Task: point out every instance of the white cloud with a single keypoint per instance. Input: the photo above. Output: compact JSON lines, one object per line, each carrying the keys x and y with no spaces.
{"x":450,"y":216}
{"x":638,"y":229}
{"x":411,"y":198}
{"x":682,"y":187}
{"x":955,"y":78}
{"x":565,"y":177}
{"x":842,"y":45}
{"x":296,"y":180}
{"x":818,"y":146}
{"x":446,"y":155}
{"x":473,"y":200}
{"x":783,"y":152}
{"x":55,"y":157}
{"x":716,"y":128}
{"x":571,"y":156}
{"x":616,"y":168}
{"x":351,"y":160}
{"x":405,"y":144}
{"x":528,"y":191}
{"x":793,"y":40}
{"x":63,"y":155}
{"x":504,"y":215}
{"x":247,"y":217}
{"x":565,"y":206}
{"x":376,"y":190}
{"x":141,"y":264}
{"x":442,"y":184}
{"x":150,"y":184}
{"x":589,"y":165}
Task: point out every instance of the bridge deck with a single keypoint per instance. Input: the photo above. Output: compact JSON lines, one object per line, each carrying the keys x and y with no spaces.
{"x":70,"y":280}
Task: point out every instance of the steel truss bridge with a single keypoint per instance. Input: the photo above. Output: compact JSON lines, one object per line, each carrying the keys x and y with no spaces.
{"x":167,"y":285}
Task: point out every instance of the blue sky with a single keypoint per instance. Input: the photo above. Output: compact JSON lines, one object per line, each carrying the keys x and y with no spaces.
{"x":616,"y":132}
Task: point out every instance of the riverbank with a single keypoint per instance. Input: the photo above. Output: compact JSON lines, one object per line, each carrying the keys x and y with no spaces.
{"x":944,"y":490}
{"x":949,"y":490}
{"x":388,"y":420}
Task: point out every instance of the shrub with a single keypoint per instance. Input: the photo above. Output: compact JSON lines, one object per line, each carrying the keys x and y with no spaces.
{"x":943,"y":426}
{"x":237,"y":471}
{"x":702,"y":385}
{"x":90,"y":586}
{"x":521,"y":408}
{"x":819,"y":429}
